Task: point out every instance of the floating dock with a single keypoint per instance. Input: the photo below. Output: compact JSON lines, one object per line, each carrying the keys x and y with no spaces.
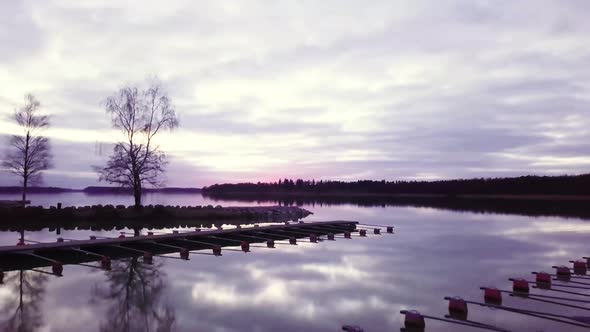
{"x":568,"y":287}
{"x":25,"y":256}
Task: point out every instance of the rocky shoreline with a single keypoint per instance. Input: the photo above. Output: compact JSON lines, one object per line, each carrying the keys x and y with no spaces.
{"x":150,"y":216}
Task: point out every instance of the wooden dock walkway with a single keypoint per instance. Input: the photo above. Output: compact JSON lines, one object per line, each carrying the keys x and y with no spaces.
{"x":63,"y":252}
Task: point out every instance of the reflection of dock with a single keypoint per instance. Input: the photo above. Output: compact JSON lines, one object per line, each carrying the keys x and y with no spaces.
{"x":62,"y":252}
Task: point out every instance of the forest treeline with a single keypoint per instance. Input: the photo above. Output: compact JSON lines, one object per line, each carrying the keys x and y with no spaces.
{"x":524,"y":185}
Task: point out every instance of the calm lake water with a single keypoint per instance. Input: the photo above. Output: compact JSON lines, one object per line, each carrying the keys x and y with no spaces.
{"x":310,"y":287}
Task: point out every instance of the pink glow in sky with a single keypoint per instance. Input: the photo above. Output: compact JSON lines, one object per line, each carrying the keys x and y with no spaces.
{"x":312,"y":89}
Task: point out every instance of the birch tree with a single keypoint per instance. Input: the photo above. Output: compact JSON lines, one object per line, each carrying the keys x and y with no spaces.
{"x":137,"y":161}
{"x":29,"y":153}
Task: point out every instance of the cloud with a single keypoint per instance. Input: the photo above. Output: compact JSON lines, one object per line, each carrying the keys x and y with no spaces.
{"x":331,"y":89}
{"x":17,"y":17}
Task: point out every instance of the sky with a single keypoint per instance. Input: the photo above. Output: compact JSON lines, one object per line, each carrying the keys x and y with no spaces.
{"x":330,"y":89}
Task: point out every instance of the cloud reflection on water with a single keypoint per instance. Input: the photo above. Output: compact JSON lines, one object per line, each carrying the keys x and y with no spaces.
{"x":319,"y":287}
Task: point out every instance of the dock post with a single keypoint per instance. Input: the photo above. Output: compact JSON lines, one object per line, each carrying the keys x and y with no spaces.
{"x":58,"y":229}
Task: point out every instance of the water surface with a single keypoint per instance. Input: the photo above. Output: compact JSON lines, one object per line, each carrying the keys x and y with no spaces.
{"x":310,"y":287}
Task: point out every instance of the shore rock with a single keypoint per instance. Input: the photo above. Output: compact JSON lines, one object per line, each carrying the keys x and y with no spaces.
{"x":107,"y":216}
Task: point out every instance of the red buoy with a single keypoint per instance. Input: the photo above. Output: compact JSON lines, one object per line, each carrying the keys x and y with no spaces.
{"x":414,"y":320}
{"x":331,"y":237}
{"x":313,"y":238}
{"x":377,"y":231}
{"x":245,"y":246}
{"x":580,"y":267}
{"x":21,"y":242}
{"x":543,"y":280}
{"x":105,"y":262}
{"x":216,"y":250}
{"x":390,"y":230}
{"x":92,"y":237}
{"x":458,"y":308}
{"x":563,"y":272}
{"x":347,"y":235}
{"x":184,"y":253}
{"x":292,"y":240}
{"x":492,"y":295}
{"x":122,"y":236}
{"x":57,"y":268}
{"x":270,"y":243}
{"x":363,"y":232}
{"x":520,"y":285}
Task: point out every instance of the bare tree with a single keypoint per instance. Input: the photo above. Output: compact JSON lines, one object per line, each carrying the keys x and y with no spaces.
{"x":140,"y":115}
{"x":29,"y":154}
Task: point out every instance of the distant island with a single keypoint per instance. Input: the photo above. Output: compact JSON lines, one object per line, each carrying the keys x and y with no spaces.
{"x":124,"y":190}
{"x":566,"y":185}
{"x":96,"y":190}
{"x":564,"y":196}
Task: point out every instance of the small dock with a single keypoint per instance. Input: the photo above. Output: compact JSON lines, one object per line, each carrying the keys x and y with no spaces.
{"x":26,"y":256}
{"x":568,"y":287}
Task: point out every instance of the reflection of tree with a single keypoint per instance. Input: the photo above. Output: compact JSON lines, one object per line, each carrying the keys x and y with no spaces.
{"x":26,"y":291}
{"x":134,"y":294}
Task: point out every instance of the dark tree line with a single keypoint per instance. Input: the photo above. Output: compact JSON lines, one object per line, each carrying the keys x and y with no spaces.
{"x":524,"y":185}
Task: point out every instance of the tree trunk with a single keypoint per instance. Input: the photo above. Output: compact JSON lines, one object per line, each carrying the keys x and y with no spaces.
{"x":24,"y":197}
{"x":137,"y":195}
{"x":26,"y":168}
